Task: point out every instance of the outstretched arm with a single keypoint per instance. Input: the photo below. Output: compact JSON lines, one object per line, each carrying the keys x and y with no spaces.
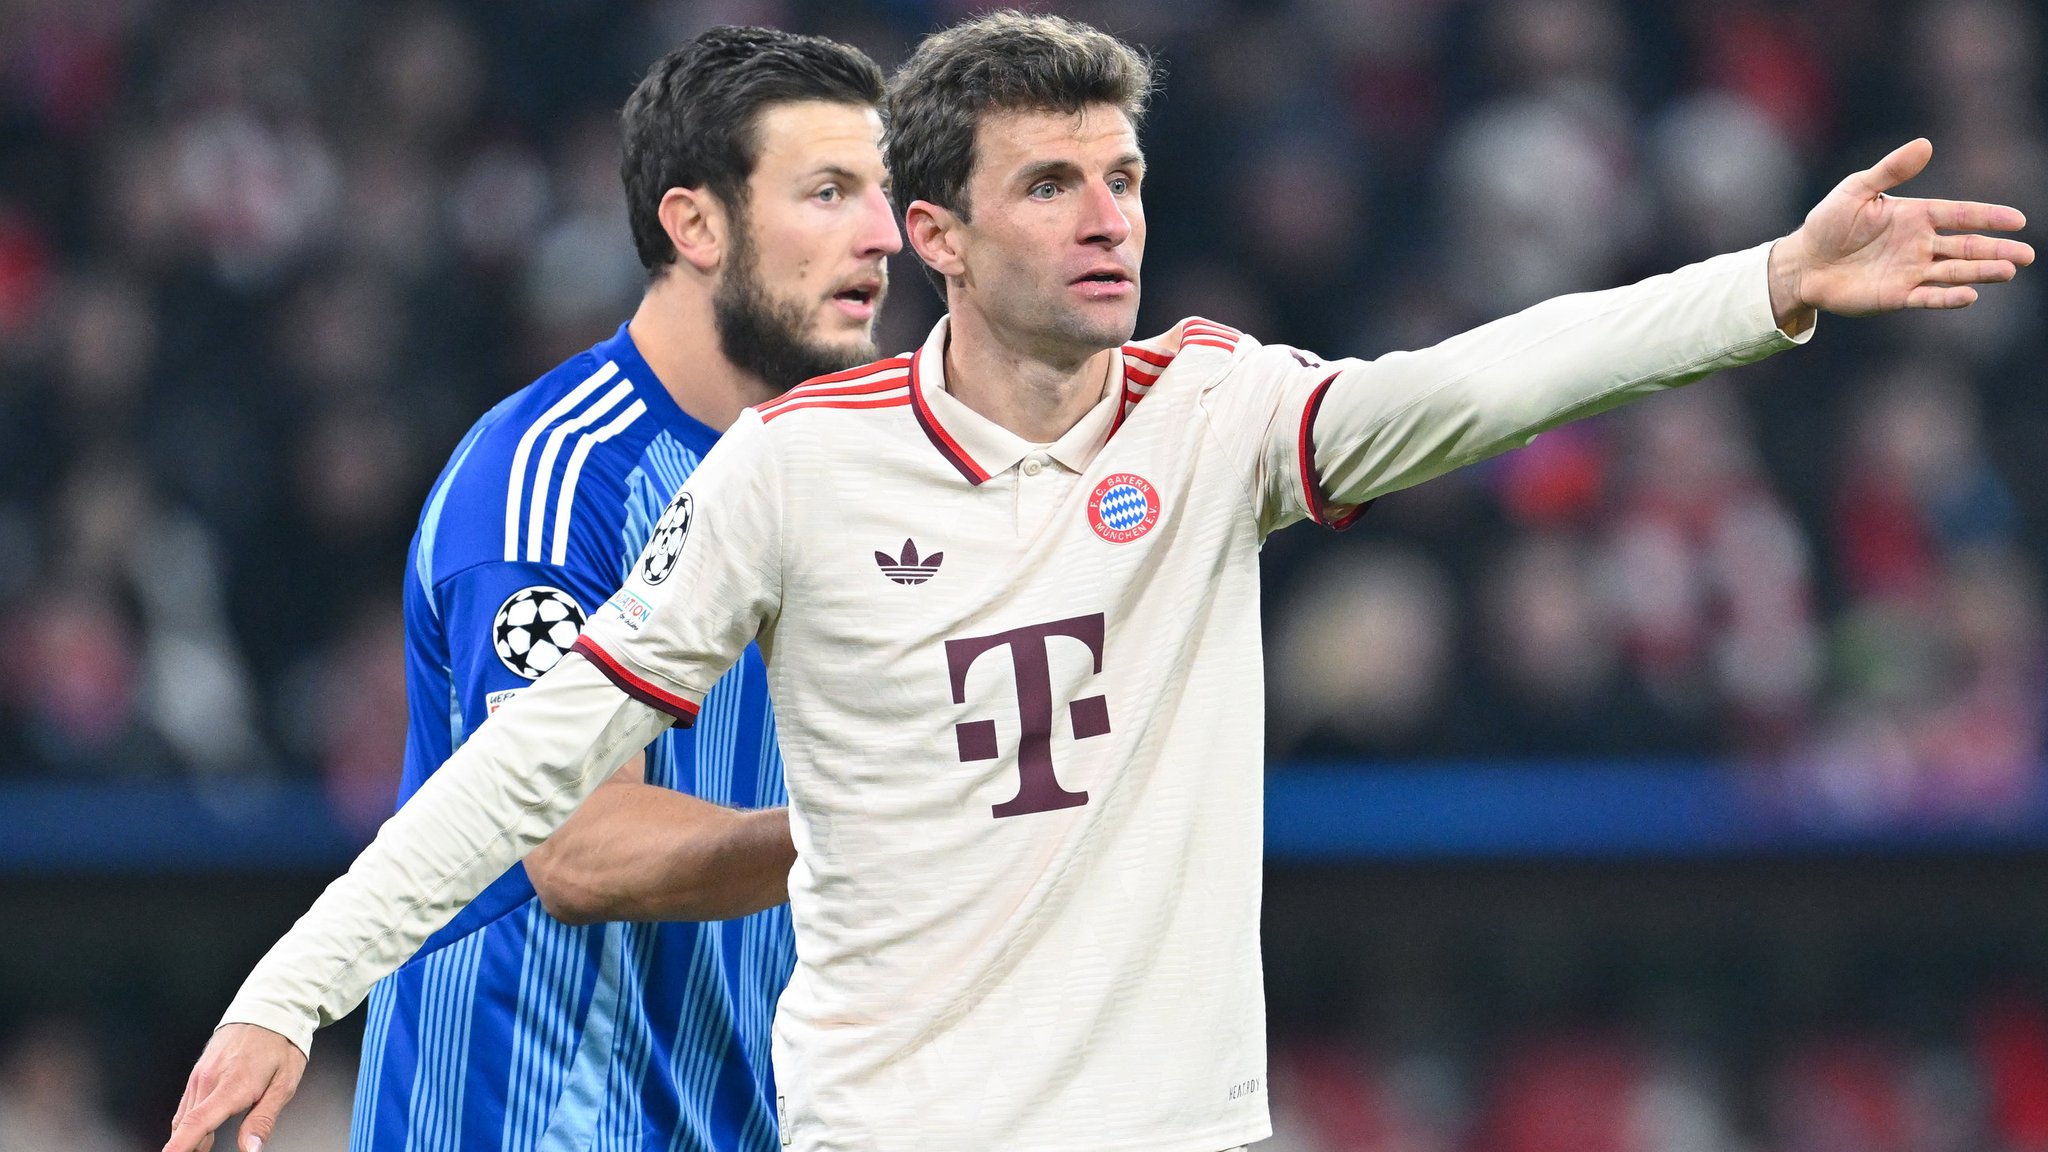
{"x":514,"y":782}
{"x":1375,"y":427}
{"x":637,"y":851}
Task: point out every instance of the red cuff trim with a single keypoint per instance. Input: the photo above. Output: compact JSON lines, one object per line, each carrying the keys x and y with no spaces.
{"x":1311,"y":488}
{"x":685,"y":713}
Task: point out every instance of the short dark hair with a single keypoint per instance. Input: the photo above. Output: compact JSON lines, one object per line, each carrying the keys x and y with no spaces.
{"x":1000,"y":62}
{"x":692,"y":121}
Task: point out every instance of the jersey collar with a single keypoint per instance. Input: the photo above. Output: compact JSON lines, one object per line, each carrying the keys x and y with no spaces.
{"x":691,"y":432}
{"x":979,"y":447}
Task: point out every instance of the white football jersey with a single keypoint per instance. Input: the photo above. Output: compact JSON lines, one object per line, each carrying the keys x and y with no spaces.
{"x":1019,"y":692}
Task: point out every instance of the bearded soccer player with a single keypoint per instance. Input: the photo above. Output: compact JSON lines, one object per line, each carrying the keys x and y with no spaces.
{"x":1024,"y":754}
{"x":754,"y":179}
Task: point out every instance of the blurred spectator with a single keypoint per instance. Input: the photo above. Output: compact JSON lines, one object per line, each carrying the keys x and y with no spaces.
{"x":1361,"y":654}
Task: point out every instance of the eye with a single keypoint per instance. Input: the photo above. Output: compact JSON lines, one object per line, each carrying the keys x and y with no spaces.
{"x":1044,"y":190}
{"x":1119,"y":185}
{"x":831,"y":194}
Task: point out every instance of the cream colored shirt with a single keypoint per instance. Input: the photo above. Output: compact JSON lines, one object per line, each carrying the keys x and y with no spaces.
{"x":1020,"y":697}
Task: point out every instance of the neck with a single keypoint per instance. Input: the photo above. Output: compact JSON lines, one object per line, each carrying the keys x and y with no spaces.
{"x":675,"y":333}
{"x":1037,"y":396}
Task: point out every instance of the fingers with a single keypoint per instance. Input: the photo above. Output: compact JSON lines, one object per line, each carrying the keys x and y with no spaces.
{"x":197,"y":1123}
{"x":262,"y":1119}
{"x":1939,"y":296}
{"x":1983,"y":248}
{"x":1948,"y":272}
{"x":1970,"y":216}
{"x":1904,"y":163}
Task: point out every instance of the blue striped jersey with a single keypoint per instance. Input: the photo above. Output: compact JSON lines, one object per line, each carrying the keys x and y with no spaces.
{"x":512,"y":1031}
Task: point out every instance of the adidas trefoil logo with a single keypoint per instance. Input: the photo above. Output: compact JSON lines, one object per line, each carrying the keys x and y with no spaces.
{"x":907,"y":568}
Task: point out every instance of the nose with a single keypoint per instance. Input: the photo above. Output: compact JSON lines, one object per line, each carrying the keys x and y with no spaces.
{"x":879,"y":235}
{"x":1102,"y":217}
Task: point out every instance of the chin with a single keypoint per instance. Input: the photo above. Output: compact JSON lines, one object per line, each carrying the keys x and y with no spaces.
{"x":1102,"y":331}
{"x":851,"y":349}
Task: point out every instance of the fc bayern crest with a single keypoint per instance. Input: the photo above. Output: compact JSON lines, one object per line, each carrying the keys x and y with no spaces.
{"x":534,"y":626}
{"x":666,"y":542}
{"x":1123,"y":507}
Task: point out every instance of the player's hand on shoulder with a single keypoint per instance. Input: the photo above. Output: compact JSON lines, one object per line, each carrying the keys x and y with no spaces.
{"x":244,"y":1069}
{"x":1862,"y":251}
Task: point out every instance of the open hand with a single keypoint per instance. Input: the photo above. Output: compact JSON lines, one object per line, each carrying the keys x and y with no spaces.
{"x":1861,"y":251}
{"x":244,"y":1068}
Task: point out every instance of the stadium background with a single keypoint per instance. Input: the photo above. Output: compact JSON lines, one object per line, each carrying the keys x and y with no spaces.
{"x":1674,"y":785}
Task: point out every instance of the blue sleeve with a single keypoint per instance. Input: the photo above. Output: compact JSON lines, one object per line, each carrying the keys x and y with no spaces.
{"x":506,"y":624}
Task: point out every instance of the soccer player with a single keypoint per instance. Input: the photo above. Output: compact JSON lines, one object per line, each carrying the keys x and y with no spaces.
{"x":1006,"y":587}
{"x":753,"y":174}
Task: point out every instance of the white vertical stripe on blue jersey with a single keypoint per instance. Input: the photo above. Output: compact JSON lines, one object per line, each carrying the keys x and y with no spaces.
{"x":696,"y":1073}
{"x":435,"y":1121}
{"x":588,"y":1077}
{"x":566,"y":505}
{"x":370,"y":1074}
{"x":430,"y":523}
{"x":624,"y":1119}
{"x":544,"y":1033}
{"x":543,"y":473}
{"x":517,"y":482}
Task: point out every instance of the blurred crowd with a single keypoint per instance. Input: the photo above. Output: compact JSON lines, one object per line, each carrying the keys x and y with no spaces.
{"x":1972,"y":1081}
{"x":1982,"y":1089}
{"x":261,"y":263}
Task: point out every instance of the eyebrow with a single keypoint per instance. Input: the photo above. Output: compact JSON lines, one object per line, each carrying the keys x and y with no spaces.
{"x":835,"y":171}
{"x":1033,"y":173}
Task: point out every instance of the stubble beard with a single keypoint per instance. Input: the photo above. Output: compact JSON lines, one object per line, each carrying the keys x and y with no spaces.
{"x":766,"y":337}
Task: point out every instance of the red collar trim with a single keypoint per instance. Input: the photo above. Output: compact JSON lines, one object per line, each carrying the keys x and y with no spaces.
{"x":947,"y":446}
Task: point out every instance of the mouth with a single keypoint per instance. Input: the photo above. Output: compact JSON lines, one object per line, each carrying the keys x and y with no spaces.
{"x":859,"y":299}
{"x":1104,"y":284}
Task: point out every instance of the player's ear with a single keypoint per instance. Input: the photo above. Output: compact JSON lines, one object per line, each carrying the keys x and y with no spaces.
{"x":935,"y":233}
{"x":696,"y":224}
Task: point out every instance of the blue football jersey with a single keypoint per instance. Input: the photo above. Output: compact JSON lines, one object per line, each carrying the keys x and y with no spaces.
{"x":512,"y":1031}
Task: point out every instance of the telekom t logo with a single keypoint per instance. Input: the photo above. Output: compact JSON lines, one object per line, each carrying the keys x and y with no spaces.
{"x":1038,"y":787}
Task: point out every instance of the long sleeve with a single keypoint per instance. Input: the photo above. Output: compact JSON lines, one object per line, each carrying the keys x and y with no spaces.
{"x":1337,"y":435}
{"x":511,"y":785}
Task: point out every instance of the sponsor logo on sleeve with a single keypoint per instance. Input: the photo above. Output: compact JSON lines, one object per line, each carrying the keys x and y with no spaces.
{"x":534,"y":626}
{"x":497,"y":700}
{"x":665,"y":545}
{"x":631,"y":610}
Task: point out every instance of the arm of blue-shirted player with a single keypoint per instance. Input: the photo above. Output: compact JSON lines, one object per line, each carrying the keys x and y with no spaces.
{"x":1403,"y":418}
{"x":636,"y":851}
{"x":513,"y":783}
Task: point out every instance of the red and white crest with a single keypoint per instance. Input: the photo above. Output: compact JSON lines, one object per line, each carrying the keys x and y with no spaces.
{"x":1123,"y":507}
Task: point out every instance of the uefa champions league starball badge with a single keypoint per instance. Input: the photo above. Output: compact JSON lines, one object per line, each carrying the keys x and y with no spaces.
{"x":1123,"y":507}
{"x":665,"y":545}
{"x":534,"y":626}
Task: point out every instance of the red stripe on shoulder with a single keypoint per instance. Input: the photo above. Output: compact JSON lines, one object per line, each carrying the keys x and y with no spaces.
{"x":793,"y":399}
{"x":685,"y":713}
{"x":1196,"y":323}
{"x":898,"y":363}
{"x":837,"y":402}
{"x":859,"y":386}
{"x":1157,"y":359}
